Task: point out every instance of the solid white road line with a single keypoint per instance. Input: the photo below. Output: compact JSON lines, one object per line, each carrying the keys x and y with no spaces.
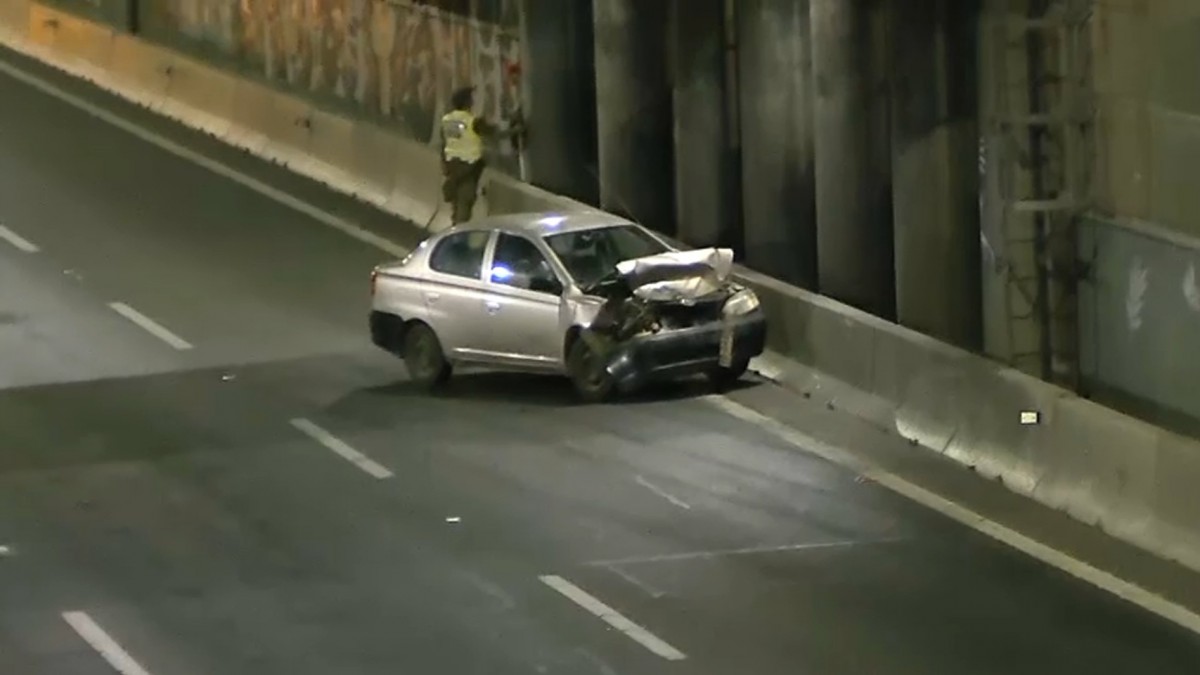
{"x":755,"y":550}
{"x":341,"y":449}
{"x":1079,"y":569}
{"x":18,"y":242}
{"x":150,"y":326}
{"x":216,"y":167}
{"x":612,"y":617}
{"x":662,"y":493}
{"x":94,"y":635}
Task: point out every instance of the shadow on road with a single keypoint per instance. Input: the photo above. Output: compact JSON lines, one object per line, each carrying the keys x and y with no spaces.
{"x":544,"y":390}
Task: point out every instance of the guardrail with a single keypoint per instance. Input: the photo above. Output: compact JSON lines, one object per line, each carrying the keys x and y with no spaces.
{"x":1135,"y":481}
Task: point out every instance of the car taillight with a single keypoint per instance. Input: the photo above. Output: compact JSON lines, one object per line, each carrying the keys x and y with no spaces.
{"x":374,"y":281}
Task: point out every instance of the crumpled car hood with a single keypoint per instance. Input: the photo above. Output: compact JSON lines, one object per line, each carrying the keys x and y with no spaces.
{"x":678,"y":275}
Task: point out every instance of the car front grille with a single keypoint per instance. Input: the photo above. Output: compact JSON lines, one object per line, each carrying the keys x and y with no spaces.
{"x":677,"y":315}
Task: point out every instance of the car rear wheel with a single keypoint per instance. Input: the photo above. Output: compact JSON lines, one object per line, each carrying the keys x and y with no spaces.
{"x":423,"y":356}
{"x":592,"y":381}
{"x":723,"y":378}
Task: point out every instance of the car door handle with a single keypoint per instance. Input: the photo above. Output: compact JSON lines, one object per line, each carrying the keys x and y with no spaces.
{"x":492,"y":306}
{"x":433,"y":297}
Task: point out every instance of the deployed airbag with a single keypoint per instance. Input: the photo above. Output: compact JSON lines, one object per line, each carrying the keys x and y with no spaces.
{"x":678,"y":275}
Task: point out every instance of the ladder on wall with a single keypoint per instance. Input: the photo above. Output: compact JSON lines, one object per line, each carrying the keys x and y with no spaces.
{"x":1040,"y":114}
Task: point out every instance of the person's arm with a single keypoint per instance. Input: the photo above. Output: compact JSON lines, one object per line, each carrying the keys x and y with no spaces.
{"x":487,"y":129}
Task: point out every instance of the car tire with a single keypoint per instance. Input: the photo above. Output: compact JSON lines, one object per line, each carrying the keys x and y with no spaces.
{"x":424,"y":358}
{"x":724,"y":378}
{"x":593,"y":384}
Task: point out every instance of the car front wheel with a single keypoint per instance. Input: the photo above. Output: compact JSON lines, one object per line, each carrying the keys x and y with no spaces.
{"x":423,"y":356}
{"x":592,"y":381}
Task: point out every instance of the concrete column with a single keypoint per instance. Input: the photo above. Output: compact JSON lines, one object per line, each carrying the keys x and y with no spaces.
{"x":935,"y":171}
{"x":558,"y":91}
{"x":775,"y":82}
{"x":854,"y":203}
{"x":705,"y":179}
{"x":633,"y":111}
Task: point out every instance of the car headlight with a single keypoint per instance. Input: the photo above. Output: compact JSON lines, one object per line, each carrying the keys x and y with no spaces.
{"x":741,"y":303}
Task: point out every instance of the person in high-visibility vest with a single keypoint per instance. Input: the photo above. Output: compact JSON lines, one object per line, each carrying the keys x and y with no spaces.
{"x":463,"y":158}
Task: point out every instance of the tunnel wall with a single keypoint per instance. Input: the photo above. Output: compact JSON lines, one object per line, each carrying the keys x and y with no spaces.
{"x":1140,"y":305}
{"x":559,"y":94}
{"x":120,"y":14}
{"x":935,"y":178}
{"x":634,"y":111}
{"x":706,"y":195}
{"x":1146,"y":65}
{"x":394,"y":62}
{"x":778,"y":168}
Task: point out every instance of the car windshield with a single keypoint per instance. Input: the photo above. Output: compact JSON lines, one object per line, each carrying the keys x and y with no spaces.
{"x":592,"y":255}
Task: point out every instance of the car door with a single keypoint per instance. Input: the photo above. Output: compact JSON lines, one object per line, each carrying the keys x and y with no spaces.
{"x":522,"y":304}
{"x":454,"y":298}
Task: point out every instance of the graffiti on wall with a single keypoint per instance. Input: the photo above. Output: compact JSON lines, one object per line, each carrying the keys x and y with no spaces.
{"x":388,"y":58}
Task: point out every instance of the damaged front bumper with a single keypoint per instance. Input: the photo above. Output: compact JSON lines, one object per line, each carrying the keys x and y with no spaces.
{"x":683,"y":352}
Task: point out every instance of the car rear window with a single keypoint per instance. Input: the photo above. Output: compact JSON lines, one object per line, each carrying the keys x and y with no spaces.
{"x":589,"y":255}
{"x":460,"y":254}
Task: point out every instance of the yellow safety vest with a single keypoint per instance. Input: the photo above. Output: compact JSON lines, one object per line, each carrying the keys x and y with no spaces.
{"x":458,"y":132}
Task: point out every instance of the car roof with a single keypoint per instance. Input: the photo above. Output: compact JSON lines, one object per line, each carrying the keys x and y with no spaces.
{"x":544,"y":223}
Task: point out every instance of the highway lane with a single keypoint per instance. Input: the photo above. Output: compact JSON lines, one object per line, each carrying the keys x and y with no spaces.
{"x":167,"y":493}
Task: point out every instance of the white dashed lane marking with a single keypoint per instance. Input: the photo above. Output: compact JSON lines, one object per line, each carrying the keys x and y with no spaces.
{"x":150,"y":326}
{"x":342,"y":449}
{"x":613,"y":618}
{"x":105,"y":646}
{"x":17,"y":241}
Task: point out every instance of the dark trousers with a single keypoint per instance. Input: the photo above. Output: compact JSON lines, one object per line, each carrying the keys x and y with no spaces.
{"x":461,"y":188}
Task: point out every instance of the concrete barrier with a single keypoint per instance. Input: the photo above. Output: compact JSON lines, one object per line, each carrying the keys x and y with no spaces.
{"x":374,"y":154}
{"x":251,"y":104}
{"x":416,"y":184}
{"x":143,"y":70}
{"x":199,"y":95}
{"x":72,"y":38}
{"x":14,"y":19}
{"x":1104,"y":468}
{"x":279,"y":121}
{"x":331,"y":145}
{"x":1135,"y":481}
{"x":1176,"y":500}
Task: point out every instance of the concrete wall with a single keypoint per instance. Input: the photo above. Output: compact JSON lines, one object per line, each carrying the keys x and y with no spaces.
{"x":776,"y":93}
{"x":935,"y":179}
{"x":1146,"y":69}
{"x":634,"y":105}
{"x":852,"y":128}
{"x":1140,"y":307}
{"x":558,"y":93}
{"x":706,"y":195}
{"x":119,"y":14}
{"x":392,"y":61}
{"x":1140,"y":311}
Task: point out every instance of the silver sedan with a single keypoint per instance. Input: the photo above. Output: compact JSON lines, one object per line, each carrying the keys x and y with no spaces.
{"x":589,"y":295}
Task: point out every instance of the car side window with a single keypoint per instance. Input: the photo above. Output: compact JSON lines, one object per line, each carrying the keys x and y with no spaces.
{"x":460,"y":254}
{"x":519,"y":263}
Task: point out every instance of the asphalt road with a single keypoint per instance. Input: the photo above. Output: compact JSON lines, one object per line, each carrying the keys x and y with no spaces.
{"x":182,"y":499}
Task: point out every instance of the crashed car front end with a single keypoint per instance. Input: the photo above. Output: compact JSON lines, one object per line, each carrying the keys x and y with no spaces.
{"x":673,"y":315}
